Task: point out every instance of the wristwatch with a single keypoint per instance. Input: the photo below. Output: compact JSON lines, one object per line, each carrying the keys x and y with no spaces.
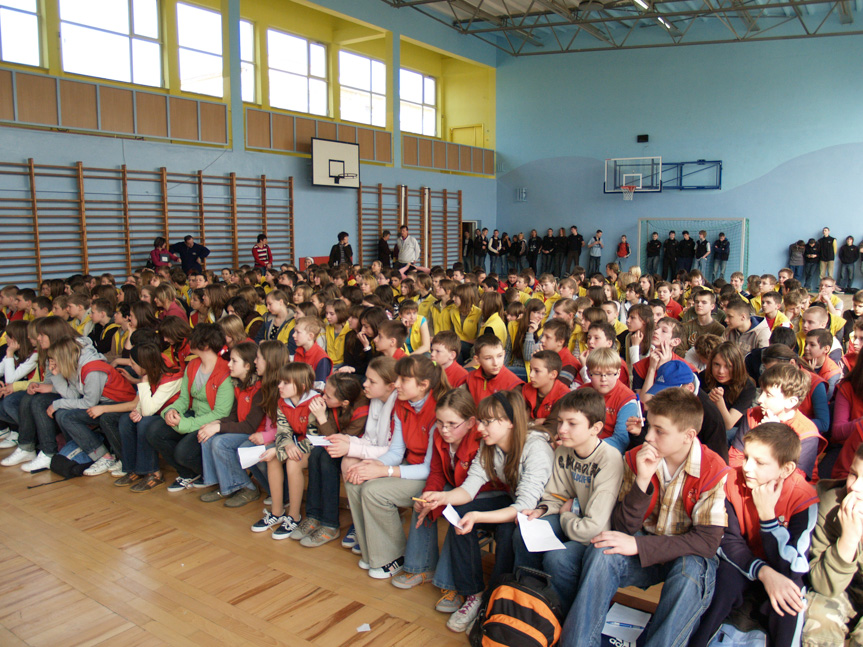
{"x":390,"y":470}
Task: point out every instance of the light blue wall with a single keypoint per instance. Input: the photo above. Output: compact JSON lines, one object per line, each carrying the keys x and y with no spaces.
{"x":782,"y":116}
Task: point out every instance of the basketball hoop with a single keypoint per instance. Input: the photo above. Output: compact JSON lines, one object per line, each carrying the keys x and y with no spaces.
{"x":628,"y":191}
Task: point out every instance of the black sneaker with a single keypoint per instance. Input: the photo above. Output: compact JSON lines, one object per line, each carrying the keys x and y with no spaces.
{"x":285,"y":528}
{"x":267,"y":522}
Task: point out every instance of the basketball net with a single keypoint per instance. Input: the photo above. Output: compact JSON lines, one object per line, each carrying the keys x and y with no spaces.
{"x":628,"y":191}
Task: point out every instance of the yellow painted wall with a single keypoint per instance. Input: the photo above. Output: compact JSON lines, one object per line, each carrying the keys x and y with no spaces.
{"x":469,"y":97}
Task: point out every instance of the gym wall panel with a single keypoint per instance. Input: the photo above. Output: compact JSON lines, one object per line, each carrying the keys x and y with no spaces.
{"x":327,"y":130}
{"x":347,"y":134}
{"x":383,"y":146}
{"x":7,"y":106}
{"x":152,"y":114}
{"x":37,"y":99}
{"x":78,"y":105}
{"x":305,"y":129}
{"x":283,"y":132}
{"x":117,"y":110}
{"x":184,"y":118}
{"x":213,"y":124}
{"x":366,"y":140}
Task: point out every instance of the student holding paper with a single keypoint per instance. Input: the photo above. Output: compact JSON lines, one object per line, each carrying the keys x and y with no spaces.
{"x":519,"y":459}
{"x":581,"y":494}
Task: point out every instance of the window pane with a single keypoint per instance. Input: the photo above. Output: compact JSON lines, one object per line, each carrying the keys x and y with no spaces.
{"x":25,"y":5}
{"x":318,"y":97}
{"x":379,"y":111}
{"x":247,"y":41}
{"x":379,"y":77}
{"x":288,"y":53}
{"x":429,"y":122}
{"x":146,"y":62}
{"x":429,"y":95}
{"x":355,"y":105}
{"x":146,"y":18}
{"x":354,"y":71}
{"x":104,"y":14}
{"x":19,"y":34}
{"x":247,"y":82}
{"x":199,"y":29}
{"x":201,"y":73}
{"x":95,"y":53}
{"x":289,"y":91}
{"x":410,"y":86}
{"x":318,"y":60}
{"x":410,"y":117}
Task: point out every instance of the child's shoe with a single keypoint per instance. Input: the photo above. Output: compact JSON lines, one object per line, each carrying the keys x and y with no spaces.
{"x":285,"y":528}
{"x":267,"y":522}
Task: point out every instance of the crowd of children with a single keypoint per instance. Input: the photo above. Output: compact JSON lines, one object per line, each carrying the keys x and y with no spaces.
{"x":670,"y":431}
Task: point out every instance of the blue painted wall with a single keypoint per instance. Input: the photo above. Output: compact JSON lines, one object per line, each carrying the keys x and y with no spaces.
{"x":782,"y":116}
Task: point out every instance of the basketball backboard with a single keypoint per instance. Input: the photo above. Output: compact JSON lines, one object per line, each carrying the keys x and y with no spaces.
{"x":644,"y":173}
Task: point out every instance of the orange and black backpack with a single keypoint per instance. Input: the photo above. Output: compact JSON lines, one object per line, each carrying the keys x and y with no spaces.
{"x":522,"y":611}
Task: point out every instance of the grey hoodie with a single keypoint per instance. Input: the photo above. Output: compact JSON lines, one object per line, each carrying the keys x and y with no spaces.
{"x":75,"y":395}
{"x":758,"y":335}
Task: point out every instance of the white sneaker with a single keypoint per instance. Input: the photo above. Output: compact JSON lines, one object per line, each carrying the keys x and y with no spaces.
{"x":41,"y":462}
{"x":462,"y":619}
{"x":104,"y":464}
{"x":117,"y":471}
{"x":18,"y":456}
{"x":9,"y":440}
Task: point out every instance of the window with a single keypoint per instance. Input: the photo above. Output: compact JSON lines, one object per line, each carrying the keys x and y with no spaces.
{"x":112,"y":39}
{"x":298,"y":73}
{"x":19,"y":32}
{"x":199,"y":33}
{"x":363,"y":91}
{"x":417,"y":101}
{"x":247,"y":60}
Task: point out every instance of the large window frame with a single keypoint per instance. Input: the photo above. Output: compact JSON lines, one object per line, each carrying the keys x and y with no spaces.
{"x":425,"y":104}
{"x":198,"y":53}
{"x":248,"y":62}
{"x":15,"y":15}
{"x":301,"y":68}
{"x":361,"y":91}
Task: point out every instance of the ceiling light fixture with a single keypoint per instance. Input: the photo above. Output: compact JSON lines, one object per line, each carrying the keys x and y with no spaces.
{"x":642,"y":4}
{"x":665,"y":23}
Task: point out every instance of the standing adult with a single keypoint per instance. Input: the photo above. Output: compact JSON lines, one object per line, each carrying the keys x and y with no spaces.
{"x":385,"y":254}
{"x":685,"y":252}
{"x":795,"y":258}
{"x":262,"y":254}
{"x":494,"y":252}
{"x":407,"y":249}
{"x":341,"y":253}
{"x":654,"y":247}
{"x":849,"y":254}
{"x":721,"y":252}
{"x":575,"y":242}
{"x":547,"y":252}
{"x":827,"y":249}
{"x":669,"y":256}
{"x":466,"y":248}
{"x":534,"y":244}
{"x":191,"y":254}
{"x":594,"y":248}
{"x":561,"y":245}
{"x":520,"y":245}
{"x":480,"y":246}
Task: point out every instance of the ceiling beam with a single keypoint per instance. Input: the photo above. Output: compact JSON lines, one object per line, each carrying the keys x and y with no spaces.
{"x":845,"y":15}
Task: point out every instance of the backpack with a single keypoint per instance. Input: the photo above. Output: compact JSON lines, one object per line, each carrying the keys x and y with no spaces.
{"x":71,"y":461}
{"x":522,"y":605}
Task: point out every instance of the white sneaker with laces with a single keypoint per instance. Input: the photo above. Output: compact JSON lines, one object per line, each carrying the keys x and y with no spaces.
{"x":41,"y":462}
{"x":104,"y":464}
{"x":117,"y":471}
{"x":9,"y":441}
{"x":462,"y":619}
{"x":17,"y":457}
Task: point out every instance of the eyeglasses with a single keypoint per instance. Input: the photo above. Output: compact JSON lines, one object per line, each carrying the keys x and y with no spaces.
{"x":449,"y":426}
{"x":601,"y":376}
{"x":488,"y":421}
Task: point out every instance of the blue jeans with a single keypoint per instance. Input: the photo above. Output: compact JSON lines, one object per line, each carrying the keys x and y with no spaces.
{"x":322,"y":493}
{"x":138,"y":455}
{"x":35,"y":425}
{"x":593,"y":264}
{"x":653,"y":265}
{"x":78,"y":426}
{"x":421,"y":553}
{"x":687,"y":590}
{"x":811,"y":276}
{"x":798,"y":272}
{"x":222,"y":463}
{"x":9,"y":408}
{"x":846,"y":275}
{"x":700,"y":264}
{"x":719,"y":266}
{"x":494,"y":263}
{"x":564,"y":566}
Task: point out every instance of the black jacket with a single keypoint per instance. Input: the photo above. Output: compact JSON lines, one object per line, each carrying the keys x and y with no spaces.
{"x":576,"y":242}
{"x":827,"y":246}
{"x":548,"y":244}
{"x":849,"y":254}
{"x":670,"y":248}
{"x":533,"y":245}
{"x":561,"y":245}
{"x":335,"y":255}
{"x":686,"y":248}
{"x":653,"y":248}
{"x":721,"y":249}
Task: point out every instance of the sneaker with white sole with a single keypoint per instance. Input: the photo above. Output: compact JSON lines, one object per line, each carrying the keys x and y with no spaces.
{"x":117,"y":471}
{"x":41,"y":462}
{"x":449,"y":602}
{"x":386,"y":571}
{"x":306,"y":527}
{"x":405,"y":580}
{"x":268,"y":501}
{"x":319,"y":537}
{"x":17,"y":457}
{"x":104,"y":464}
{"x":356,"y":550}
{"x":284,"y":529}
{"x":180,"y":484}
{"x":462,"y":619}
{"x":9,"y":440}
{"x":350,"y":539}
{"x":267,"y":522}
{"x":363,"y":564}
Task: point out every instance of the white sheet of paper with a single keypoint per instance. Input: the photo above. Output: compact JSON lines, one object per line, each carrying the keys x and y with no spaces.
{"x":537,"y":535}
{"x":318,"y":441}
{"x":364,"y":627}
{"x":250,"y":455}
{"x":625,"y":623}
{"x":452,"y":516}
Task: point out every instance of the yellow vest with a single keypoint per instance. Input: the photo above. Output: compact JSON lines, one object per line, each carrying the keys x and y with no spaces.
{"x":467,"y":329}
{"x":336,"y":343}
{"x":498,"y":326}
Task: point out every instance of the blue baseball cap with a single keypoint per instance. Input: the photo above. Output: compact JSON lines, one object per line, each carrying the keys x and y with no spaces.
{"x":671,"y":374}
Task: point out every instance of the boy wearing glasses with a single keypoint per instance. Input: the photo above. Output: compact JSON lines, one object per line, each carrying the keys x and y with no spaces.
{"x":603,"y":368}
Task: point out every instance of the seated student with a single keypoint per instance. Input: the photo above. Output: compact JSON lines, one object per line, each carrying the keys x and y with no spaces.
{"x":175,"y":334}
{"x":612,"y":311}
{"x":666,"y":527}
{"x":555,"y":337}
{"x":640,"y":324}
{"x":104,"y":328}
{"x":580,"y":495}
{"x":465,"y":316}
{"x":418,"y":339}
{"x":280,"y":322}
{"x":41,"y":307}
{"x":667,"y":337}
{"x":547,"y":292}
{"x":309,"y":352}
{"x":165,"y":299}
{"x":514,"y":457}
{"x":855,"y":343}
{"x":24,"y":305}
{"x":544,"y":390}
{"x":783,"y":387}
{"x":703,"y":321}
{"x":850,"y":316}
{"x":816,"y":354}
{"x":59,"y":308}
{"x":726,"y":382}
{"x":833,"y":604}
{"x":206,"y":395}
{"x":699,"y":355}
{"x":602,"y":335}
{"x":771,"y":303}
{"x":743,"y":328}
{"x":445,"y":347}
{"x":247,"y":313}
{"x":603,"y":369}
{"x":390,"y":339}
{"x":20,"y":365}
{"x":441,"y":312}
{"x":827,"y":298}
{"x":359,"y":344}
{"x":78,"y":307}
{"x":771,"y":514}
{"x":492,"y":316}
{"x":663,"y":293}
{"x":491,"y":376}
{"x":814,"y":318}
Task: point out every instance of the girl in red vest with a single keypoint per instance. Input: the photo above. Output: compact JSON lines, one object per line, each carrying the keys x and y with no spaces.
{"x":341,"y":412}
{"x":175,"y":332}
{"x":848,"y":419}
{"x":291,"y":451}
{"x":159,"y":387}
{"x":221,"y":438}
{"x":378,"y":488}
{"x":308,"y":352}
{"x":86,"y":383}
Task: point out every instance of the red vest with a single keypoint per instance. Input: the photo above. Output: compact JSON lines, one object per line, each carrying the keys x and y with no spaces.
{"x":480,"y":387}
{"x":558,"y":390}
{"x":399,"y":354}
{"x":796,"y":495}
{"x":220,"y":373}
{"x":806,"y":405}
{"x":614,"y":401}
{"x":117,"y":388}
{"x":297,"y":416}
{"x":177,"y":356}
{"x":569,"y":359}
{"x":713,"y":468}
{"x":848,"y":360}
{"x":849,"y":447}
{"x":312,"y":357}
{"x":828,"y":369}
{"x":356,"y":414}
{"x":244,"y":403}
{"x":456,"y":375}
{"x":641,"y":366}
{"x":415,"y":428}
{"x":165,"y":379}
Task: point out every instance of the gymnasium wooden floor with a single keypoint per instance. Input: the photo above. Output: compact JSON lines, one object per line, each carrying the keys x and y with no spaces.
{"x":85,"y":563}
